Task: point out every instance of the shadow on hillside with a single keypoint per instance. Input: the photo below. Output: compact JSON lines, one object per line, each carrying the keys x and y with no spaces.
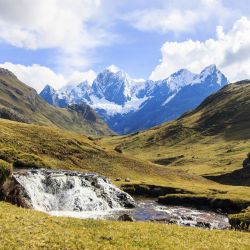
{"x":240,"y":177}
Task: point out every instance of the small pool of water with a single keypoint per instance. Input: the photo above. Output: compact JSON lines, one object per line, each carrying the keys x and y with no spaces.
{"x":150,"y":210}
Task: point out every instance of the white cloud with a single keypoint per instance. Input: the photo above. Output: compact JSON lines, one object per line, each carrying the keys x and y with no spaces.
{"x":179,"y":16}
{"x":66,"y":25}
{"x":38,"y":76}
{"x":230,"y":51}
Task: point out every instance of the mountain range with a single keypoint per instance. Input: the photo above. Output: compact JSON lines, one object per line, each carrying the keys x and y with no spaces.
{"x":128,"y":105}
{"x":19,"y":102}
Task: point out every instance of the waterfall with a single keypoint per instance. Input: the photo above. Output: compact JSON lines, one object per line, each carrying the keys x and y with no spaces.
{"x":59,"y":190}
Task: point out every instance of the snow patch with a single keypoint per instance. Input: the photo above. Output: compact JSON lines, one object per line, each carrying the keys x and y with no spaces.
{"x":112,"y":108}
{"x":168,"y":99}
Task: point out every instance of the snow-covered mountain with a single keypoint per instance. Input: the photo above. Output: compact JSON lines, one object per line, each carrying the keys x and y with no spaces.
{"x":129,"y":105}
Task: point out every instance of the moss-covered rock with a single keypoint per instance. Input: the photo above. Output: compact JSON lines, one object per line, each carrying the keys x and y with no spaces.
{"x":203,"y":202}
{"x":151,"y":190}
{"x":5,"y":171}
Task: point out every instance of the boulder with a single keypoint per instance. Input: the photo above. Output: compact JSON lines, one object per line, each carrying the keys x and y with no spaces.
{"x":127,"y":180}
{"x":246,"y":162}
{"x":126,"y":217}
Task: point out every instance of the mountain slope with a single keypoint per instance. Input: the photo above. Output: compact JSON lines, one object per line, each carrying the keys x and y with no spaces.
{"x":129,"y":105}
{"x":212,"y":139}
{"x":21,"y":103}
{"x":67,"y":150}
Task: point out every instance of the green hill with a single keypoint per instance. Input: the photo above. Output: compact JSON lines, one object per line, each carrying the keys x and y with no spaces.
{"x":21,"y":103}
{"x":210,"y":141}
{"x":213,"y":139}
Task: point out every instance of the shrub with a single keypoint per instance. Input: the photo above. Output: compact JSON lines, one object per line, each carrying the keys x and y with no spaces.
{"x":5,"y":171}
{"x":29,"y":161}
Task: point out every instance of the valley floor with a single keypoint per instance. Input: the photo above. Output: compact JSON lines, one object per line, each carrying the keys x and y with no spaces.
{"x":54,"y":148}
{"x":28,"y":229}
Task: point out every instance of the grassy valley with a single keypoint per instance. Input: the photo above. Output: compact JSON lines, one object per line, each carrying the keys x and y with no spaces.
{"x":211,"y":140}
{"x":187,"y":158}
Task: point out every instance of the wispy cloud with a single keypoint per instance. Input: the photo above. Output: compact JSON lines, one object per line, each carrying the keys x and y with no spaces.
{"x":178,"y":16}
{"x":38,"y":76}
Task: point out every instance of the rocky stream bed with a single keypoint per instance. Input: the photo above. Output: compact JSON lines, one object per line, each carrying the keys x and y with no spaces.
{"x":91,"y":196}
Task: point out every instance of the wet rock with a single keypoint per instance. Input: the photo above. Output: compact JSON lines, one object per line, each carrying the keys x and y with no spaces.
{"x":203,"y":224}
{"x":118,"y":179}
{"x":127,"y":180}
{"x":14,"y":193}
{"x":126,"y":217}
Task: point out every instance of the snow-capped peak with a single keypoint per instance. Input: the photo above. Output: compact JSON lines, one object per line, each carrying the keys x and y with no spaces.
{"x":212,"y":75}
{"x":209,"y":70}
{"x":48,"y":89}
{"x":180,"y":79}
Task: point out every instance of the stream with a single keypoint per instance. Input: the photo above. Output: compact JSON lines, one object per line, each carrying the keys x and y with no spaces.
{"x":91,"y":196}
{"x":150,"y":210}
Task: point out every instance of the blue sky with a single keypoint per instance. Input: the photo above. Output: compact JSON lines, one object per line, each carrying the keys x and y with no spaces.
{"x":61,"y":42}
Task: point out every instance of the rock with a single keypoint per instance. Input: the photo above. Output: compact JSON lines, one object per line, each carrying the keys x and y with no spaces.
{"x":203,"y":224}
{"x":118,"y":179}
{"x":118,"y":150}
{"x":108,"y":238}
{"x":126,"y":217}
{"x":246,"y":162}
{"x":127,"y":180}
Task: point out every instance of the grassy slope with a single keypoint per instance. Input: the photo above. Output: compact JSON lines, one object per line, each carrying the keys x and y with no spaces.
{"x":211,"y":140}
{"x":27,"y":229}
{"x":24,"y":100}
{"x":67,"y":150}
{"x":62,"y":149}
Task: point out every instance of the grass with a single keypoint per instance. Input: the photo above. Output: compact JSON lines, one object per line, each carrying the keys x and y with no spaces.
{"x":28,"y":229}
{"x":66,"y":150}
{"x":241,"y":220}
{"x":61,"y":149}
{"x":185,"y":152}
{"x":5,"y":171}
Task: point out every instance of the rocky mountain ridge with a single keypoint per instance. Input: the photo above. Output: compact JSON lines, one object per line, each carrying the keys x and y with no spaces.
{"x":127,"y":105}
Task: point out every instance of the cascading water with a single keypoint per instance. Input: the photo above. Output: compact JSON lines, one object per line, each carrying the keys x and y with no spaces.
{"x":58,"y":190}
{"x":74,"y":194}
